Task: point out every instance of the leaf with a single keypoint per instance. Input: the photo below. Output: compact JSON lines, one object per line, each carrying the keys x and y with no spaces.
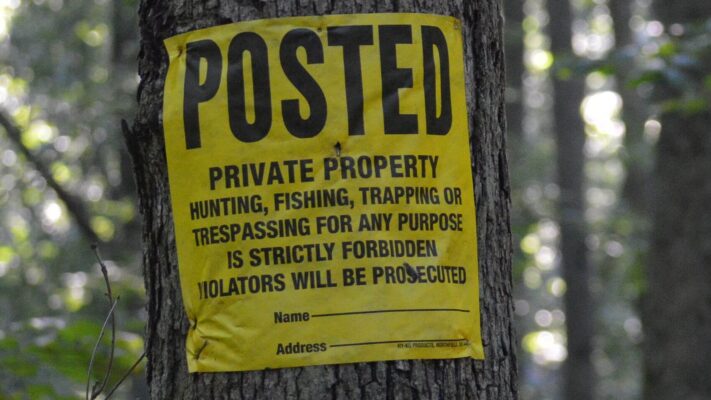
{"x":667,"y":49}
{"x":651,"y":76}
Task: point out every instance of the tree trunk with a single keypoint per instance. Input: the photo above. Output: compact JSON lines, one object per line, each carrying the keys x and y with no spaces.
{"x":568,"y":92}
{"x":636,"y":188}
{"x":168,"y":378}
{"x":676,"y":306}
{"x":513,"y":12}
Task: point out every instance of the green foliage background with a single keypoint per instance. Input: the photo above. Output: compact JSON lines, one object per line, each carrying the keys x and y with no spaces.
{"x":67,"y":76}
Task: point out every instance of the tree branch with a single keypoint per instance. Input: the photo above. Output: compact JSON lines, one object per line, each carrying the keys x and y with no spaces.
{"x":93,"y":392}
{"x":73,"y":204}
{"x":104,"y":271}
{"x":123,"y":378}
{"x":109,"y":317}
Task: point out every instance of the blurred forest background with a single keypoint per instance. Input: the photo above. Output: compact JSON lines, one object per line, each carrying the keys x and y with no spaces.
{"x":610,"y":161}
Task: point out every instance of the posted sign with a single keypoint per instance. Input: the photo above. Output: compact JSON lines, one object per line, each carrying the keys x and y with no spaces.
{"x":322,"y":191}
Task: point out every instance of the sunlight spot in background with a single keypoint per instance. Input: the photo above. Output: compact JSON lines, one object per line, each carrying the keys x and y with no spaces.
{"x":61,"y":172}
{"x":601,"y":105}
{"x":530,"y":243}
{"x":548,"y":230}
{"x":556,"y":286}
{"x":592,"y":36}
{"x":47,"y":250}
{"x":54,"y":217}
{"x":7,"y":182}
{"x":103,"y":227}
{"x":94,"y":191}
{"x":130,"y":340}
{"x":52,"y":212}
{"x":539,"y":60}
{"x":547,"y":347}
{"x":8,"y":158}
{"x":633,"y":327}
{"x":545,"y":258}
{"x":614,"y":249}
{"x":47,"y":322}
{"x":39,"y":132}
{"x":75,"y":279}
{"x":18,"y":227}
{"x":532,"y":278}
{"x":543,"y":318}
{"x":55,"y":5}
{"x":75,"y":295}
{"x":99,"y":74}
{"x":544,"y":255}
{"x":637,"y":23}
{"x":599,"y":110}
{"x":93,"y":36}
{"x":55,"y":302}
{"x":7,"y":9}
{"x":61,"y":143}
{"x":596,"y":80}
{"x":7,"y":255}
{"x":600,"y":197}
{"x":34,"y":275}
{"x":676,"y":29}
{"x":75,"y":299}
{"x":652,"y":130}
{"x":654,"y":28}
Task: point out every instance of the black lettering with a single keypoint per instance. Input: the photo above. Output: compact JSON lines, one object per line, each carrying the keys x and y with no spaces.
{"x":215,"y":175}
{"x":436,"y":125}
{"x":304,"y":82}
{"x":236,"y":96}
{"x":196,"y":93}
{"x":351,"y":38}
{"x":395,"y":78}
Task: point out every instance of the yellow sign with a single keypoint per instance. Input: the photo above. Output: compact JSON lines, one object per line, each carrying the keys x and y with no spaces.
{"x":322,"y":193}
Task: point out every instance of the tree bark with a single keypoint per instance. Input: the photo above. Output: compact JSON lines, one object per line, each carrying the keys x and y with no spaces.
{"x":676,"y":306}
{"x":568,"y":92}
{"x":168,"y":378}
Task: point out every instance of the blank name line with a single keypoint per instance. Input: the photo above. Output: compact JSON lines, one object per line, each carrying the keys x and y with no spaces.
{"x":396,"y":341}
{"x":391,"y":311}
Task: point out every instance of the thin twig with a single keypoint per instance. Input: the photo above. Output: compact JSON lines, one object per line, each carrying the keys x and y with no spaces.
{"x":126,"y":375}
{"x":104,"y":271}
{"x":74,"y":205}
{"x":96,"y":347}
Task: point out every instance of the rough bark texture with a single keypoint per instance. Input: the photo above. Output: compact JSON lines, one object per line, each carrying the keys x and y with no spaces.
{"x":677,"y":303}
{"x":494,"y":378}
{"x":568,"y":92}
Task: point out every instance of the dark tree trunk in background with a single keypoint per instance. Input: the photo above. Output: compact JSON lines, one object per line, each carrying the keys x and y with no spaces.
{"x":513,"y":36}
{"x":568,"y":92}
{"x":677,"y":303}
{"x":636,"y":189}
{"x":494,"y":378}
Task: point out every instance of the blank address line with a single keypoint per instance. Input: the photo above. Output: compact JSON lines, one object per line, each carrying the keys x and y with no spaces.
{"x":397,"y":310}
{"x":399,"y":341}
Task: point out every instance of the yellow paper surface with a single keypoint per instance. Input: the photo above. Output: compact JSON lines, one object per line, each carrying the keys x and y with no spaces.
{"x":309,"y":238}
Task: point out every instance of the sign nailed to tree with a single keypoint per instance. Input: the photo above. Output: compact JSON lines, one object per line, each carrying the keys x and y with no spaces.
{"x":322,"y":193}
